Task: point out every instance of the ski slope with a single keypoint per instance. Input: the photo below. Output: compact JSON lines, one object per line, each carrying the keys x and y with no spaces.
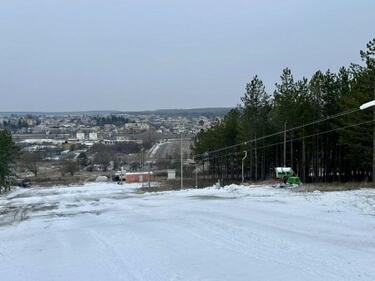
{"x":109,"y":232}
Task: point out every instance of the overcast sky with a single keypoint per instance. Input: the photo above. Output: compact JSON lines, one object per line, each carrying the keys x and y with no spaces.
{"x":66,"y":55}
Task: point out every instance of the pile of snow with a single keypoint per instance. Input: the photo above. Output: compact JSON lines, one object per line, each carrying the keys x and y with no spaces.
{"x":101,"y":179}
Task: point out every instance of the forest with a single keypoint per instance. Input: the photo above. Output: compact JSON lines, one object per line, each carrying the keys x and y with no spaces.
{"x":327,"y":137}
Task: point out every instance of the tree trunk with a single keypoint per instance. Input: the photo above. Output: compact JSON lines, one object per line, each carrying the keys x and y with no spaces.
{"x":251,"y":164}
{"x":303,"y":160}
{"x":256,"y":163}
{"x":263,"y":166}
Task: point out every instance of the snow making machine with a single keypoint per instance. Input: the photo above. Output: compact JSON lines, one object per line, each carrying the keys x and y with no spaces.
{"x":286,"y":177}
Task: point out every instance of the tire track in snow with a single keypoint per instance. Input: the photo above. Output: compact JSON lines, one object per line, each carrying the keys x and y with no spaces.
{"x":257,"y":243}
{"x":121,"y":267}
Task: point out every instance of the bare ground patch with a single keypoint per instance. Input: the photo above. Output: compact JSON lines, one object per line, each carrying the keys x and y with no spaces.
{"x":11,"y":214}
{"x":211,"y":197}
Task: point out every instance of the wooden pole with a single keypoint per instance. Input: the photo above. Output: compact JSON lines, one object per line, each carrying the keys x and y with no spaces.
{"x":285,"y":144}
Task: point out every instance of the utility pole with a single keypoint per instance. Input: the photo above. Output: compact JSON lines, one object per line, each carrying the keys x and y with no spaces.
{"x":182,"y":164}
{"x":142,"y":160}
{"x":122,"y":175}
{"x":291,"y":150}
{"x":243,"y":166}
{"x":304,"y":157}
{"x":285,"y":143}
{"x":196,"y":173}
{"x":149,"y":175}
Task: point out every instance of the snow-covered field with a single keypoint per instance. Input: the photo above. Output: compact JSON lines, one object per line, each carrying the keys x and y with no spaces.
{"x":108,"y":232}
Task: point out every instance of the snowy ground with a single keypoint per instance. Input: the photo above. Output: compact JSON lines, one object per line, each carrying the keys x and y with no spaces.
{"x":108,"y":232}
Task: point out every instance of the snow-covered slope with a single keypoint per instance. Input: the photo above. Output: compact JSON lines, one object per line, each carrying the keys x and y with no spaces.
{"x":108,"y":232}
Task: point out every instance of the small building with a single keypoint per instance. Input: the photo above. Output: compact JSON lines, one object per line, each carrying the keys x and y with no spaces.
{"x":80,"y":136}
{"x":171,"y":174}
{"x":93,"y":136}
{"x":140,"y":177}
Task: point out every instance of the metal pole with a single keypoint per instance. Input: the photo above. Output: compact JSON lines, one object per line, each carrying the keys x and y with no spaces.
{"x":141,"y":160}
{"x":122,"y":177}
{"x":285,"y":143}
{"x":196,"y":173}
{"x":243,"y":166}
{"x":149,"y":175}
{"x":182,"y":165}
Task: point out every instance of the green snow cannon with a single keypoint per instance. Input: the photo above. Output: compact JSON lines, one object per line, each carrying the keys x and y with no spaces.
{"x":287,"y":176}
{"x":294,"y":180}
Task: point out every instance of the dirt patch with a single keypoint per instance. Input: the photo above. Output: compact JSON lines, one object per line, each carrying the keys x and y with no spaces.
{"x":15,"y":214}
{"x":212,"y":197}
{"x":271,"y":201}
{"x":43,"y":207}
{"x":72,"y":205}
{"x":258,"y":195}
{"x":7,"y":209}
{"x":120,"y":196}
{"x":73,"y":214}
{"x":29,"y":195}
{"x":328,"y":187}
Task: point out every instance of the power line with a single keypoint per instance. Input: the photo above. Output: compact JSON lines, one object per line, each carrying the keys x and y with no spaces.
{"x":281,"y":132}
{"x":317,"y":134}
{"x":295,"y":139}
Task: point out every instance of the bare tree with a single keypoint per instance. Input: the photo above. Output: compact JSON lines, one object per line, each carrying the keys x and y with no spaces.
{"x":103,"y":159}
{"x":30,"y":160}
{"x":69,"y":167}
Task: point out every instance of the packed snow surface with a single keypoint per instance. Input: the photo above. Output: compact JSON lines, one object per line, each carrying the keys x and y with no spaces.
{"x":110,"y":232}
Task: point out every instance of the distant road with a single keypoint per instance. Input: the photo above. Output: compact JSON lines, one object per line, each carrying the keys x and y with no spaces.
{"x":170,"y":148}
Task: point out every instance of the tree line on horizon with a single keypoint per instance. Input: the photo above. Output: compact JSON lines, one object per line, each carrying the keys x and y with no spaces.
{"x":339,"y":149}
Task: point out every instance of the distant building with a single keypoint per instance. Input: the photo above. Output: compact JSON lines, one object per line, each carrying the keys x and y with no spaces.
{"x":93,"y":136}
{"x":80,"y":136}
{"x":121,"y":139}
{"x":137,"y":126}
{"x":31,"y":122}
{"x":171,"y":174}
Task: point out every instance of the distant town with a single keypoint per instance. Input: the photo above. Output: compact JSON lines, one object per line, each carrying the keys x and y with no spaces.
{"x":56,"y":145}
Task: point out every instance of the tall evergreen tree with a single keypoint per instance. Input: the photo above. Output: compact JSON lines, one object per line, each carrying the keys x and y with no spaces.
{"x":8,"y":154}
{"x":369,"y":57}
{"x":255,"y":110}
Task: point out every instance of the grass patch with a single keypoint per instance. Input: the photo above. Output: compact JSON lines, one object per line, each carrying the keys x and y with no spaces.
{"x":329,"y":187}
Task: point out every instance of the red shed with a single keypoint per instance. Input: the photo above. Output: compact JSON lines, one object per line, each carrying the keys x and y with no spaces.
{"x":139,"y":177}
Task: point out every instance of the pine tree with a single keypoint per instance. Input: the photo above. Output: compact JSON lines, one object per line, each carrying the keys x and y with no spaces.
{"x":369,"y":57}
{"x":255,"y":109}
{"x":8,"y":154}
